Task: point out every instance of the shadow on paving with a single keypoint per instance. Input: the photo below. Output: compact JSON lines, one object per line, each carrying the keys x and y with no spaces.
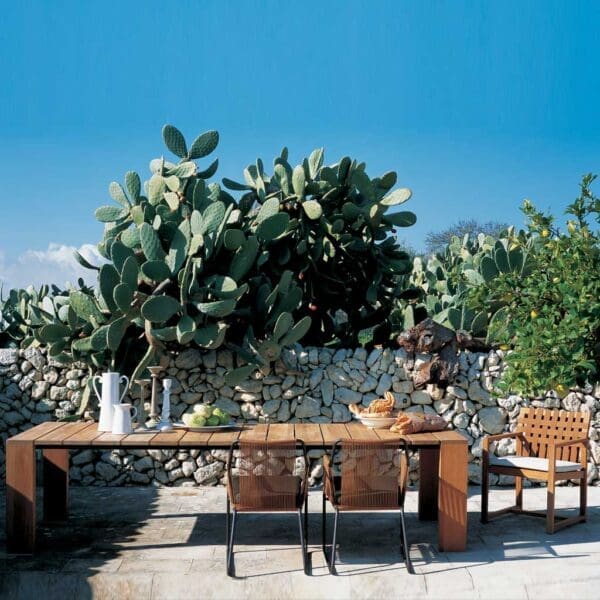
{"x":103,"y":522}
{"x":118,"y":539}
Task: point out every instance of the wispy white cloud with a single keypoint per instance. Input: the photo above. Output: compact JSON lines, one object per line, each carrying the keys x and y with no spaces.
{"x":56,"y":264}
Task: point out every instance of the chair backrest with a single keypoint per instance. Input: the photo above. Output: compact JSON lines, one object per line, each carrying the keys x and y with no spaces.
{"x":541,"y":426}
{"x":373,"y":473}
{"x":268,"y":477}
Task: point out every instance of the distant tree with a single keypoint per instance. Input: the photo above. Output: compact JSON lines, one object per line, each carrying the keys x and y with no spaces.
{"x":408,"y":248}
{"x":437,"y":241}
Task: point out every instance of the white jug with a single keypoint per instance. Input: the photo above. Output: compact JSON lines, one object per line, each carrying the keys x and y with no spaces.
{"x":122,"y":418}
{"x":109,"y":398}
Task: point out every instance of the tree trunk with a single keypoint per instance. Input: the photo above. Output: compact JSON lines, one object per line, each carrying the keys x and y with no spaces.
{"x":429,"y":337}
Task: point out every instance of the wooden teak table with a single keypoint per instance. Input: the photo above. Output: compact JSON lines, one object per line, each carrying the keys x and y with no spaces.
{"x":442,"y":488}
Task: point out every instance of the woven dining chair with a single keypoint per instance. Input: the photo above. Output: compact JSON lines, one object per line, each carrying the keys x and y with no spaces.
{"x":551,"y":446}
{"x":266,"y":480}
{"x":372,"y":476}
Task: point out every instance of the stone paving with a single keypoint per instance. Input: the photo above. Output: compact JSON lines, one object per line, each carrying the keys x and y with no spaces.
{"x":169,"y":543}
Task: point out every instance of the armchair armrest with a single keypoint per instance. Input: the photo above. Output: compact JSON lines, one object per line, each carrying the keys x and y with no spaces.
{"x":501,"y":436}
{"x":583,"y":441}
{"x":553,"y":446}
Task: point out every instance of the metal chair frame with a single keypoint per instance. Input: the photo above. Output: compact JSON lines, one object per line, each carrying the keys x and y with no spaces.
{"x":404,"y":546}
{"x":232,"y":515}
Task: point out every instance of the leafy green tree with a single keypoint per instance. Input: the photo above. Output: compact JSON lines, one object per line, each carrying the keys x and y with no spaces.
{"x":549,"y":317}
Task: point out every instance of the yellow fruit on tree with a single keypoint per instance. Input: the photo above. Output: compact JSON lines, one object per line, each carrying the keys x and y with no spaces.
{"x":556,"y":280}
{"x":545,"y":233}
{"x":534,"y":314}
{"x":504,"y":347}
{"x":561,"y":390}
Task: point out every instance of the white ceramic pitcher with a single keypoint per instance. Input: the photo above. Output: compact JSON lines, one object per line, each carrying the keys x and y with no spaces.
{"x":109,"y":398}
{"x":122,"y":418}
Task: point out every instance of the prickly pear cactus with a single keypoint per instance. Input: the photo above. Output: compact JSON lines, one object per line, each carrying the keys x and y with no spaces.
{"x":307,"y":253}
{"x":444,"y":286}
{"x":334,"y":228}
{"x":183,"y":269}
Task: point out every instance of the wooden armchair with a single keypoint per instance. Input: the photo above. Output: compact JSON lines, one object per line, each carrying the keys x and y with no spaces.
{"x":551,"y":446}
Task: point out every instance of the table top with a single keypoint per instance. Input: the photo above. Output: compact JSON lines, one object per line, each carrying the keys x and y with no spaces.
{"x":315,"y":436}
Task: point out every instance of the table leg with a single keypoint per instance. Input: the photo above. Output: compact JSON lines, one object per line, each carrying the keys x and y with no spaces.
{"x":20,"y":496}
{"x":452,"y":499}
{"x":56,"y":484}
{"x":428,"y":483}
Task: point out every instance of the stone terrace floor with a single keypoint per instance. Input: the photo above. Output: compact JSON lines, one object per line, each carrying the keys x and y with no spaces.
{"x":169,"y":543}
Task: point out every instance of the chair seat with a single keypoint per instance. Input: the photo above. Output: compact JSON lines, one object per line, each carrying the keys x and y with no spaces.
{"x":364,"y":499}
{"x":533,"y":463}
{"x":273,"y":492}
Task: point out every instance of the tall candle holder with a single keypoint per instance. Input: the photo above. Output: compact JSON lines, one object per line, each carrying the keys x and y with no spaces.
{"x":142,"y":415}
{"x":154,"y":414}
{"x":165,"y":419}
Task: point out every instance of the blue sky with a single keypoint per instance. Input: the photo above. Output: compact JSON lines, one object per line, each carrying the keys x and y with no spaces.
{"x":476,"y":105}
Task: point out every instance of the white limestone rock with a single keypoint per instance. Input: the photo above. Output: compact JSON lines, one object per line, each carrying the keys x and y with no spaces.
{"x":385,"y":383}
{"x":347,"y":396}
{"x":492,"y":419}
{"x":478,"y":394}
{"x":271,"y":407}
{"x":308,"y":407}
{"x":188,"y":359}
{"x":420,"y":397}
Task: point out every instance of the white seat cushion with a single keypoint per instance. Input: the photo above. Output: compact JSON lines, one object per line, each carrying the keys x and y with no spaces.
{"x":533,"y":463}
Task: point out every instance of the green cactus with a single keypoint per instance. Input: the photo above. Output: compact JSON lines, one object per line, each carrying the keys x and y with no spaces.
{"x":151,"y":245}
{"x":130,"y":272}
{"x":159,"y":309}
{"x":53,"y":332}
{"x":186,"y":330}
{"x":204,"y":145}
{"x":123,"y":297}
{"x":211,"y":336}
{"x":155,"y":270}
{"x":212,"y":217}
{"x":283,"y":325}
{"x":272,"y":227}
{"x":108,"y":279}
{"x":218,"y":308}
{"x":190,"y":263}
{"x":85,"y":307}
{"x":109,"y":214}
{"x":312,"y":209}
{"x":175,"y":141}
{"x":115,"y":332}
{"x":234,"y":239}
{"x":244,"y":258}
{"x":297,"y":332}
{"x":236,"y":376}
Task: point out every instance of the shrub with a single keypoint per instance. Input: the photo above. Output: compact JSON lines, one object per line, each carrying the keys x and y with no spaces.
{"x":549,"y":316}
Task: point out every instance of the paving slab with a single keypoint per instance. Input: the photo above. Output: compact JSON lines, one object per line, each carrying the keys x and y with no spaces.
{"x":169,"y":543}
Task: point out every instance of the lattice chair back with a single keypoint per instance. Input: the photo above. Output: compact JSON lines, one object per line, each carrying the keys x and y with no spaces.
{"x":541,"y":426}
{"x":373,"y":474}
{"x":269,"y":477}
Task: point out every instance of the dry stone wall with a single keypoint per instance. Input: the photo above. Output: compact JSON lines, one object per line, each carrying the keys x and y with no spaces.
{"x":313,"y":385}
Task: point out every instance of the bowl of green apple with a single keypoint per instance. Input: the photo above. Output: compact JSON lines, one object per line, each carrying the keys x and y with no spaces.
{"x":206,"y":418}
